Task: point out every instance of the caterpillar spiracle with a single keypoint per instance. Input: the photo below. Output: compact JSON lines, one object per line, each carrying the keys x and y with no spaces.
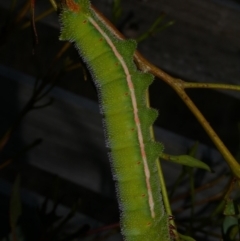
{"x":122,"y":96}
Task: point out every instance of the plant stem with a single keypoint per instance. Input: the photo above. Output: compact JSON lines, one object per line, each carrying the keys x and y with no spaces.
{"x":178,"y":86}
{"x":54,"y":4}
{"x":211,"y":86}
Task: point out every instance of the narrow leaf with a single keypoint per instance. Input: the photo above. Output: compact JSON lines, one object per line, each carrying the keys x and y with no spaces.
{"x":229,"y":208}
{"x":186,"y":160}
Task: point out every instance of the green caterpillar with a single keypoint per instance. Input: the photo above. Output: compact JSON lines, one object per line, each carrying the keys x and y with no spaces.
{"x":122,"y":94}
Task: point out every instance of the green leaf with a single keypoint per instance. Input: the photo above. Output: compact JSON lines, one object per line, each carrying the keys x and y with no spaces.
{"x":186,"y":160}
{"x":230,"y":224}
{"x":234,"y":232}
{"x":229,"y":208}
{"x":185,"y":238}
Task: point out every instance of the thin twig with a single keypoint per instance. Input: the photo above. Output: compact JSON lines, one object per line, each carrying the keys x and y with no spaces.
{"x":210,"y":86}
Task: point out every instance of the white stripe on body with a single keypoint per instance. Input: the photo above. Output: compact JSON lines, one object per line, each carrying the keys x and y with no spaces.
{"x":135,"y":110}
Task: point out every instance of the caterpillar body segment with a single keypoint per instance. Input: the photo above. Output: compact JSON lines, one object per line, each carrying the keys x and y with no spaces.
{"x":122,"y":94}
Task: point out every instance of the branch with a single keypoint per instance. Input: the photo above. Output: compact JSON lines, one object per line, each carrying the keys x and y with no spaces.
{"x":179,"y":85}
